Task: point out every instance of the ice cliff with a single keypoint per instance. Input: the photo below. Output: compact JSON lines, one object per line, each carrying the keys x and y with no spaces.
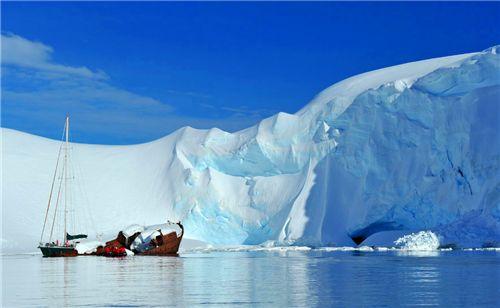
{"x":410,"y":147}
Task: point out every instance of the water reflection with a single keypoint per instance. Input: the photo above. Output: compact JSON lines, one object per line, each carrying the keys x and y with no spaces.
{"x":292,"y":278}
{"x":418,"y":253}
{"x":248,"y":278}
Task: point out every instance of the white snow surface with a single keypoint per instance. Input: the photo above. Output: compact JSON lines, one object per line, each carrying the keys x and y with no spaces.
{"x":410,"y":147}
{"x":88,"y":246}
{"x":132,"y":229}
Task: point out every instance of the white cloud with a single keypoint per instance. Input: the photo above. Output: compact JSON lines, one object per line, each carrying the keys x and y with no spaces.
{"x":37,"y":93}
{"x":21,"y":52}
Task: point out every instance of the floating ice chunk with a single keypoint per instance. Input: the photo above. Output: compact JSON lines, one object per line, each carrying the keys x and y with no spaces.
{"x":421,"y":241}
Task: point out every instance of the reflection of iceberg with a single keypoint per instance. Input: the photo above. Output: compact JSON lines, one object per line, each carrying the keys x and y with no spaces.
{"x":410,"y":147}
{"x":418,"y":253}
{"x":252,"y":278}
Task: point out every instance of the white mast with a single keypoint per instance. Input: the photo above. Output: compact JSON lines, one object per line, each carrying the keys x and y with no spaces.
{"x":51,"y":191}
{"x":66,"y":177}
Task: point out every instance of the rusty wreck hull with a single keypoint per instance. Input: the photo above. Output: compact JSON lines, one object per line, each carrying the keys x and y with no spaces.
{"x":162,"y":245}
{"x":168,"y":246}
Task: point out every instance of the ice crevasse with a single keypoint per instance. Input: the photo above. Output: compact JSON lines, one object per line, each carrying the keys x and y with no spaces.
{"x":410,"y":147}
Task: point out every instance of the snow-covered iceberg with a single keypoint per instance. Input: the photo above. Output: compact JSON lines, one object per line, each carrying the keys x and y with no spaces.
{"x":410,"y":147}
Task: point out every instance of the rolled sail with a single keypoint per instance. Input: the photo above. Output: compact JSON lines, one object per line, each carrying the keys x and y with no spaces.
{"x":74,"y":237}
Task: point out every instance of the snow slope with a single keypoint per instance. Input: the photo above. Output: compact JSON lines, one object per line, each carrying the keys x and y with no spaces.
{"x":410,"y":147}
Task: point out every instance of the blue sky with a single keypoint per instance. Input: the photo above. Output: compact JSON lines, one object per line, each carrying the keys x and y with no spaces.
{"x":134,"y":72}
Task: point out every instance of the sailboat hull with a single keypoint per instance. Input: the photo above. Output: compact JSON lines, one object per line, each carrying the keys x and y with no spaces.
{"x":58,"y":251}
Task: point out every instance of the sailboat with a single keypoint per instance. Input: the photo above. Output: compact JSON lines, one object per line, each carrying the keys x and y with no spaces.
{"x":62,"y":246}
{"x":156,"y":240}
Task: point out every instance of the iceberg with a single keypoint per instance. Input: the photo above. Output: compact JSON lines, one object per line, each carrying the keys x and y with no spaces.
{"x":410,"y":147}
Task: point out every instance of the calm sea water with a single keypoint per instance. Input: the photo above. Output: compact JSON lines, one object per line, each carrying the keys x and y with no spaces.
{"x":292,"y":278}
